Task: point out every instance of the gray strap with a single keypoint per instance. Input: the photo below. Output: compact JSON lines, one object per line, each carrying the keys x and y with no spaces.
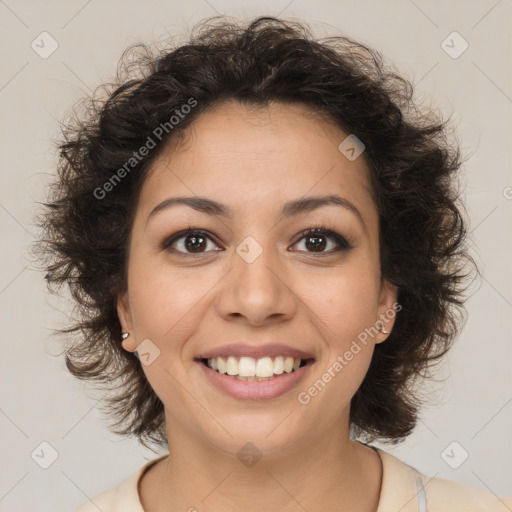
{"x":422,"y":497}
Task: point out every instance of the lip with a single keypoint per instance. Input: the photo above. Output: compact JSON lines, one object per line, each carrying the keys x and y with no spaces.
{"x":256,"y":351}
{"x":262,"y":390}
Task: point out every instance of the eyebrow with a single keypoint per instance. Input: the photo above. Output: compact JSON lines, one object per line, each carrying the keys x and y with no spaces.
{"x":289,"y":209}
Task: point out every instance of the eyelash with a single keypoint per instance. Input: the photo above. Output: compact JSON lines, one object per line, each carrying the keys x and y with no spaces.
{"x":342,"y":243}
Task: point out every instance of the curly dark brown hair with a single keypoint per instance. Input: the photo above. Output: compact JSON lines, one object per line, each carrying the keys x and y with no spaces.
{"x":413,"y":169}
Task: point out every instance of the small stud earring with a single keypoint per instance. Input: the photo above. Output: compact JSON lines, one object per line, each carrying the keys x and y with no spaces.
{"x":125,"y":335}
{"x":383,"y":331}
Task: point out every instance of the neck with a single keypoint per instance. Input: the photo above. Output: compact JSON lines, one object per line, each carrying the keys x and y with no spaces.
{"x":329,"y":473}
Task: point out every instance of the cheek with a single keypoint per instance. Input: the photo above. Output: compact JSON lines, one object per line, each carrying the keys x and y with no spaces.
{"x":167,"y":309}
{"x":344,"y":302}
{"x":344,"y":309}
{"x":164,"y":302}
{"x":344,"y":306}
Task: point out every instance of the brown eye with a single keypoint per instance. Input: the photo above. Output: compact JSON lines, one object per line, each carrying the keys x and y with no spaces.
{"x":195,"y":243}
{"x":188,"y":242}
{"x":317,"y":239}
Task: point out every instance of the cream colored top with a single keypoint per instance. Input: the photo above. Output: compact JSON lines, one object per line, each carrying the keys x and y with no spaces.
{"x":403,"y":490}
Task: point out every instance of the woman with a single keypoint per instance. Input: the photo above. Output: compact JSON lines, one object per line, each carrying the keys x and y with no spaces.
{"x":264,"y":235}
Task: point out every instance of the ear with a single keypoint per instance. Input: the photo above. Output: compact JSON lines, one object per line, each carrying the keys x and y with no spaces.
{"x":388,"y":309}
{"x":125,"y":318}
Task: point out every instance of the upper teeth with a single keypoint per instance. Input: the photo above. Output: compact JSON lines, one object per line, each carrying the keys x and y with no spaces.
{"x":250,"y":367}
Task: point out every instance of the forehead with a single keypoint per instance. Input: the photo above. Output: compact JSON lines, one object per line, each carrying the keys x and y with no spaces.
{"x":237,"y":153}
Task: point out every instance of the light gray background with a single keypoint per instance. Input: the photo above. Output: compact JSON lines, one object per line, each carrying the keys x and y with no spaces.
{"x":41,"y":402}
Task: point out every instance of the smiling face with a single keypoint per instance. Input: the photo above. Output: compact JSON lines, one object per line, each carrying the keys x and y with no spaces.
{"x":251,"y":276}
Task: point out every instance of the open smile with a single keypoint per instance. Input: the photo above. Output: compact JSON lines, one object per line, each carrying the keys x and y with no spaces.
{"x":249,"y":379}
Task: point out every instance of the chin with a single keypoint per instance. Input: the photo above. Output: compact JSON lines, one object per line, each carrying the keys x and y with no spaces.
{"x":265,"y":434}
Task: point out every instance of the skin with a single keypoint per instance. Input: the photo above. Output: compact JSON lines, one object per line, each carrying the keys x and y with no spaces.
{"x":254,"y":159}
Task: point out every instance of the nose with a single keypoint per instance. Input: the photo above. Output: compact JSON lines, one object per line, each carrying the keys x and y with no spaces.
{"x":257,"y":291}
